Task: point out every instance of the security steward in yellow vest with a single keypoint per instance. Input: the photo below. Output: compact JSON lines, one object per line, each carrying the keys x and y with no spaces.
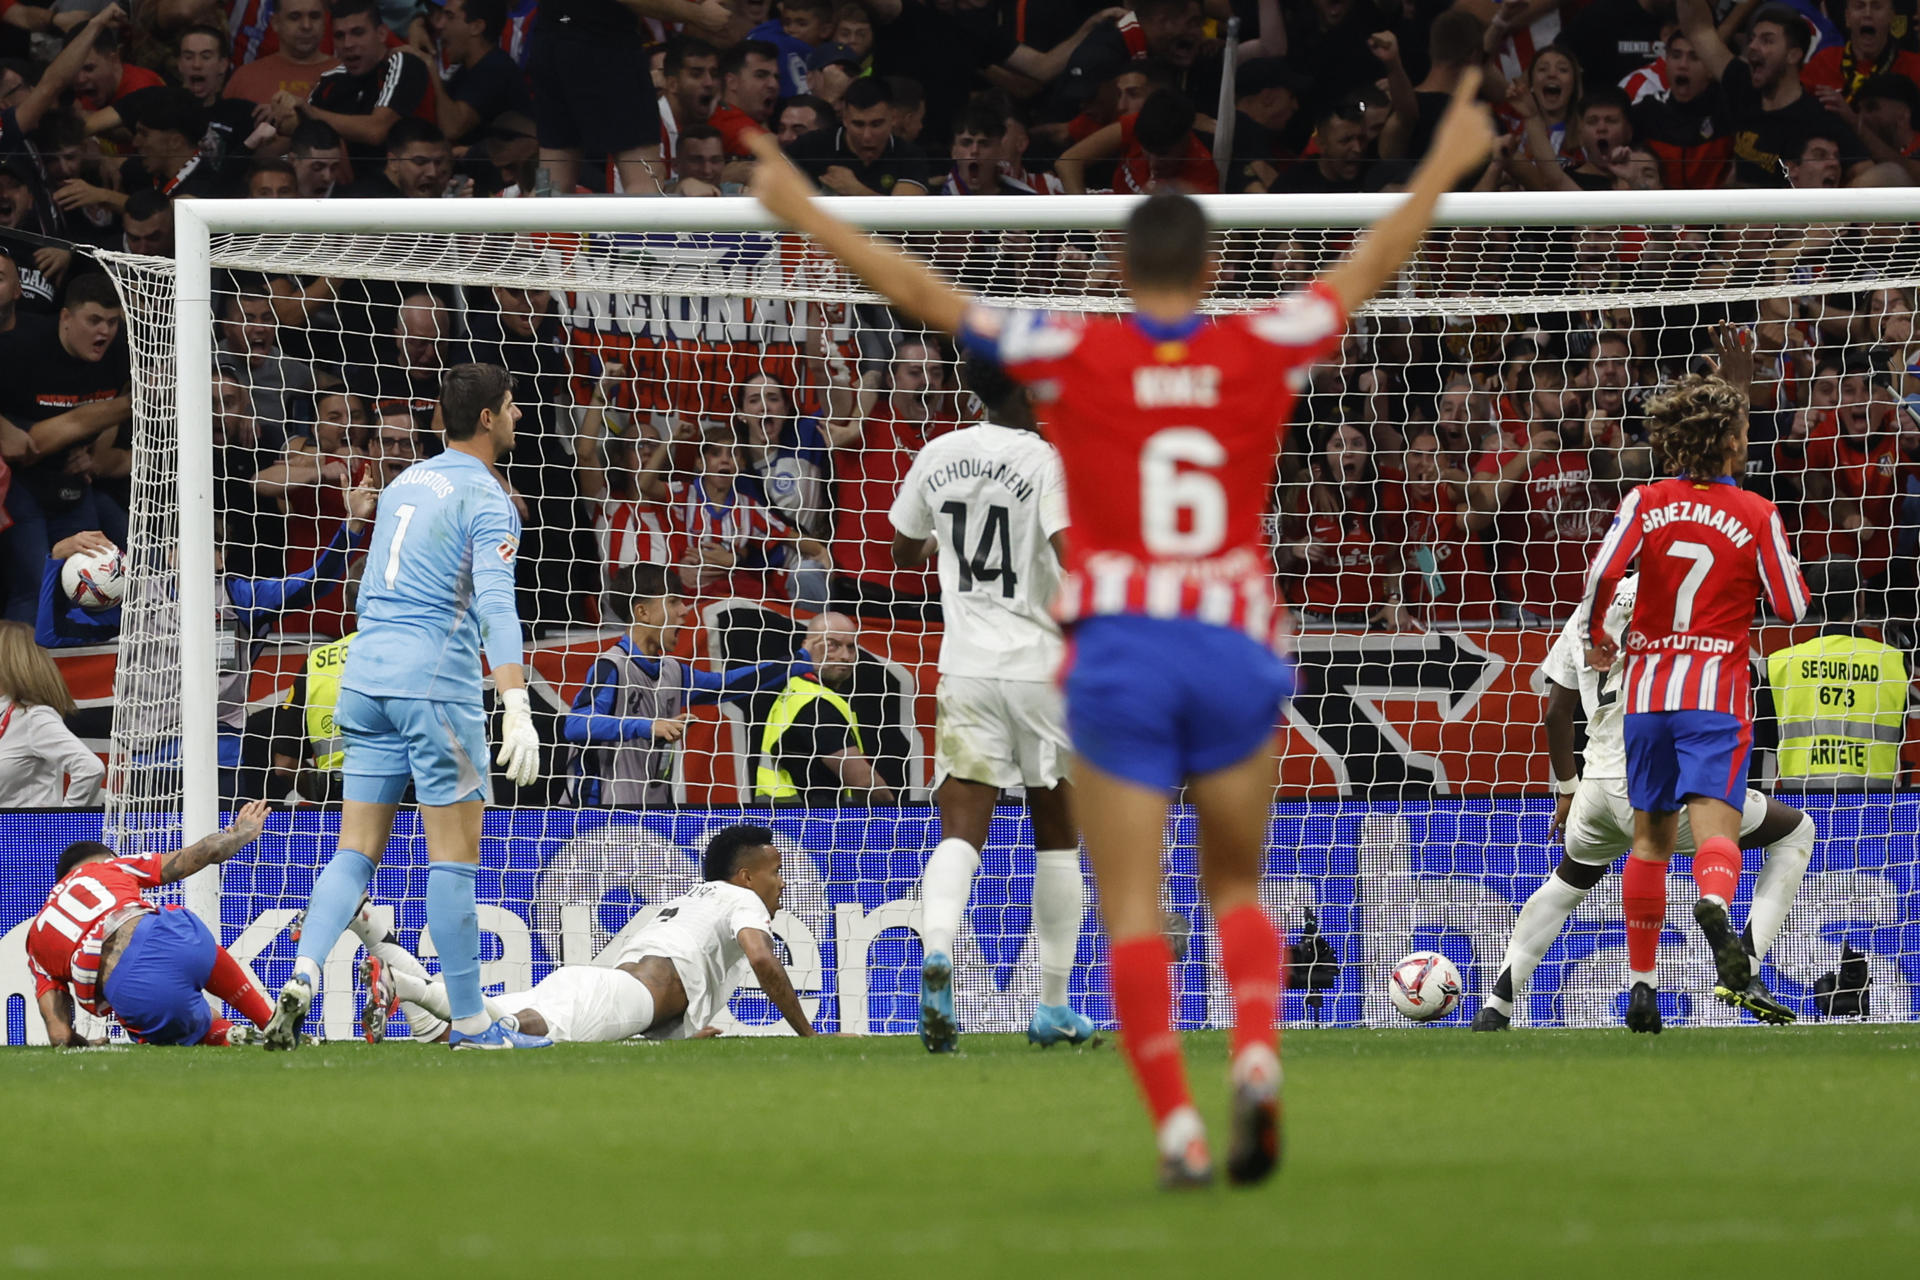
{"x":1841,"y":700}
{"x":311,"y":701}
{"x":812,"y":750}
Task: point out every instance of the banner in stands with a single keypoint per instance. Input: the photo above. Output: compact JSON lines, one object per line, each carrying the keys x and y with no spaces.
{"x":1380,"y":880}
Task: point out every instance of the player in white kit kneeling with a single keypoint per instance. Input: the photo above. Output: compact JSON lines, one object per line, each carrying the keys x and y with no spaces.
{"x":989,"y":501}
{"x":1595,"y":819}
{"x":668,"y":981}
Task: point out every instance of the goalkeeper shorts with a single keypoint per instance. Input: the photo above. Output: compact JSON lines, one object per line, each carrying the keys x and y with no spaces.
{"x":441,"y":747}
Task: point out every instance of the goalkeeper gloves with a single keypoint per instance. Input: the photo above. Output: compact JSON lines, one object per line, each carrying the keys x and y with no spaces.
{"x":519,"y":745}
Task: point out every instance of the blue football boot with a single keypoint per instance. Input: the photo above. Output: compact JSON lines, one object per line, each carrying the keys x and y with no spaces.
{"x":1058,"y":1024}
{"x":497,"y":1036}
{"x":938,"y":1029}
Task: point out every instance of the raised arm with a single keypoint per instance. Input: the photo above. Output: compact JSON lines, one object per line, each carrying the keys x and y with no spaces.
{"x":216,"y":848}
{"x":1696,"y":21}
{"x":757,"y":946}
{"x":1460,"y":145}
{"x":1101,"y":144}
{"x":907,"y":284}
{"x":60,"y":72}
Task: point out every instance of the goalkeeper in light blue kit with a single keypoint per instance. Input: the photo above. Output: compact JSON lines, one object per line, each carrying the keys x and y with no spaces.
{"x":439,"y":578}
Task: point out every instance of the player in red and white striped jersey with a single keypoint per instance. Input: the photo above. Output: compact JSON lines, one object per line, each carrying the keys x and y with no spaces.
{"x":1166,"y":425}
{"x":1707,"y":551}
{"x":99,"y":944}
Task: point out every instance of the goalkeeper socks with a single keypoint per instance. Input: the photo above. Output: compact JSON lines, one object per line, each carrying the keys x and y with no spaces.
{"x":1643,"y":900}
{"x":1716,"y":869}
{"x":1778,"y":882}
{"x":944,"y":889}
{"x":336,"y":895}
{"x":455,"y":926}
{"x":1137,"y":969}
{"x":232,"y":982}
{"x":1541,"y":918}
{"x":1250,"y":957}
{"x":1059,"y":905}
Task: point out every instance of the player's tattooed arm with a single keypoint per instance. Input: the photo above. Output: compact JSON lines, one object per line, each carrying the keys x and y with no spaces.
{"x":757,"y":946}
{"x":217,"y":848}
{"x":56,"y":1010}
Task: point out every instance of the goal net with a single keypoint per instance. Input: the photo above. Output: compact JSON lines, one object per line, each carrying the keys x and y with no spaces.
{"x":718,"y":407}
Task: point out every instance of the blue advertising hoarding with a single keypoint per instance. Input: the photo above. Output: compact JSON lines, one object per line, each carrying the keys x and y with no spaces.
{"x":1381,"y":879}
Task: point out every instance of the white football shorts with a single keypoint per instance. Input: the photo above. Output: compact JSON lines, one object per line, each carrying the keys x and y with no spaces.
{"x":586,"y":1004}
{"x":1004,"y":733}
{"x":1600,"y":823}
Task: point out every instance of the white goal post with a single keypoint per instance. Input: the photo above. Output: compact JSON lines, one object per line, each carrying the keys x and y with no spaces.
{"x":1517,"y":253}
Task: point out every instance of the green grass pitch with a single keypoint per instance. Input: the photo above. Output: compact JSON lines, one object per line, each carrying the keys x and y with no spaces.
{"x":1414,"y":1153}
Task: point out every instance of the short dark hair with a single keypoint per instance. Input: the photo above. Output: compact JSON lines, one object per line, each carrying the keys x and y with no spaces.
{"x":313,"y":135}
{"x":347,"y":8}
{"x":1607,"y":95}
{"x":809,"y":6}
{"x":682,"y":47}
{"x":1158,"y":71}
{"x":145,"y":203}
{"x":466,"y":390}
{"x":1798,"y":30}
{"x":700,"y":133}
{"x":92,"y":286}
{"x":221,"y":39}
{"x":491,"y":15}
{"x":1881,"y":88}
{"x":648,"y":581}
{"x":168,"y":110}
{"x":823,"y":113}
{"x":1166,"y":119}
{"x":1168,"y":241}
{"x":731,"y":848}
{"x":906,"y":91}
{"x":75,"y":854}
{"x":105,"y":40}
{"x":273,"y":165}
{"x":982,"y":119}
{"x":1005,"y":400}
{"x":735,"y":58}
{"x":412,"y":131}
{"x":1146,"y":8}
{"x":1454,"y":38}
{"x":866,"y":93}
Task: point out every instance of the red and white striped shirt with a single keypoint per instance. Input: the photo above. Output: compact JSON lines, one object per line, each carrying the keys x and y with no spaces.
{"x":94,"y":899}
{"x":634,"y":531}
{"x":1706,"y":553}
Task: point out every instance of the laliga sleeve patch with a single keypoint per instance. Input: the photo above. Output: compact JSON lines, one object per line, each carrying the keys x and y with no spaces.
{"x":508,"y":550}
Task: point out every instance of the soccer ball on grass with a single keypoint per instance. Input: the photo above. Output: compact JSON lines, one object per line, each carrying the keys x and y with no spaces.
{"x":1424,"y":986}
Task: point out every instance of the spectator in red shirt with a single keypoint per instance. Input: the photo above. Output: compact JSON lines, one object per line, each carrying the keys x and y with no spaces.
{"x":723,"y":542}
{"x":1552,"y":511}
{"x":105,"y":77}
{"x":1854,"y":474}
{"x":749,"y":86}
{"x":292,"y":69}
{"x":1339,"y":560}
{"x":1443,"y":541}
{"x":902,"y":409}
{"x":1884,"y":112}
{"x":1157,"y":149}
{"x":1837,"y":73}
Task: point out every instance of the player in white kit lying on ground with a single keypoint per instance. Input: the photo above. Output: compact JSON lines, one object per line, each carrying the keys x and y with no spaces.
{"x":668,"y":981}
{"x":1595,"y":818}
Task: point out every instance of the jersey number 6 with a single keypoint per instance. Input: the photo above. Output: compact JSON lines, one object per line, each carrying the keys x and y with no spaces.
{"x":1183,"y":509}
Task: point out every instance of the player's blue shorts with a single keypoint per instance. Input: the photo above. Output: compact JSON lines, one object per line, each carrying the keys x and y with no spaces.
{"x":1675,"y":754}
{"x":155,"y":987}
{"x":440,"y":746}
{"x":1160,"y":700}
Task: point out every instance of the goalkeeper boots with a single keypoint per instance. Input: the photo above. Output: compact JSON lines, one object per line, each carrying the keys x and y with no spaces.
{"x":1758,"y":1001}
{"x":382,"y":998}
{"x":1643,"y":1009}
{"x":289,"y":1012}
{"x":497,"y":1036}
{"x":938,"y":1029}
{"x":1729,"y":953}
{"x":1058,"y":1024}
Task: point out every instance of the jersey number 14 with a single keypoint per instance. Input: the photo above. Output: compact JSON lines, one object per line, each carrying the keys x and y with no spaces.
{"x":978,"y":565}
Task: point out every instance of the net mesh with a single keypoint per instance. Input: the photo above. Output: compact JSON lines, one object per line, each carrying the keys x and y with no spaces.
{"x":733,"y":407}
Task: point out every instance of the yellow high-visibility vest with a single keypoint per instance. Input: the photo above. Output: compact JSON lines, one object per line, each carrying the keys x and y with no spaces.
{"x":771,"y":781}
{"x":325,"y":665}
{"x":1842,"y":704}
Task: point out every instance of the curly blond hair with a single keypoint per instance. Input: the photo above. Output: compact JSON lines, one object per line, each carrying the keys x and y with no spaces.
{"x":1692,"y":422}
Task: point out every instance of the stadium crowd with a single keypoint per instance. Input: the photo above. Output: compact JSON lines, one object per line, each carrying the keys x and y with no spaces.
{"x":1437,"y":473}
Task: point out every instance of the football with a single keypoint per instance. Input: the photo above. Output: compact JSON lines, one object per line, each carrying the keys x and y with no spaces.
{"x":94,"y":580}
{"x":1424,"y":986}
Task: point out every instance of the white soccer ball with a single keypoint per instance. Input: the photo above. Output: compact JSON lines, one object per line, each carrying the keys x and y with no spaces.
{"x":1424,"y":986}
{"x":94,"y":580}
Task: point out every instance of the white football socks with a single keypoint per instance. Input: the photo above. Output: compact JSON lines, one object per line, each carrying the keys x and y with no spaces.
{"x":1778,"y":882}
{"x":1059,"y":904}
{"x":945,"y":887}
{"x":1541,"y":918}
